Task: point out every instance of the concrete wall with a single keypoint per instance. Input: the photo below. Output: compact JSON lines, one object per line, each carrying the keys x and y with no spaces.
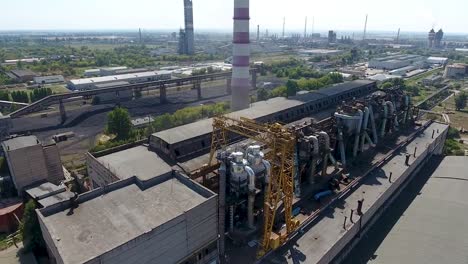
{"x":99,"y":174}
{"x":51,"y":248}
{"x":172,"y":242}
{"x":54,"y":164}
{"x":27,"y":166}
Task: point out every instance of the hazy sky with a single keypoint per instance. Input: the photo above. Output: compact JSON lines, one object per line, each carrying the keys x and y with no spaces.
{"x":410,"y":15}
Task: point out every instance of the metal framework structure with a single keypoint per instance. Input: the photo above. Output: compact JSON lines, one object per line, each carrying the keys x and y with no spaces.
{"x":280,"y":143}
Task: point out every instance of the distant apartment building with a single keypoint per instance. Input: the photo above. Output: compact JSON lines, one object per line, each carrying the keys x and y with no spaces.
{"x":31,"y":162}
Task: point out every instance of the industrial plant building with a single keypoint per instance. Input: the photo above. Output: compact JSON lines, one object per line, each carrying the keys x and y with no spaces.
{"x":187,"y":35}
{"x":22,"y":75}
{"x":456,"y":70}
{"x":435,"y":39}
{"x":92,"y":83}
{"x":194,"y":138}
{"x":48,"y":79}
{"x":170,"y":219}
{"x":395,"y":61}
{"x":432,"y":226}
{"x":31,"y":162}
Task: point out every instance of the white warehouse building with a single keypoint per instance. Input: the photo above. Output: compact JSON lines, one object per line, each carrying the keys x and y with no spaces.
{"x":395,"y":61}
{"x":132,"y":78}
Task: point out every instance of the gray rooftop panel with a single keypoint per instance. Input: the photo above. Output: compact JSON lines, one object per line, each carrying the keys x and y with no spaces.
{"x":105,"y":222}
{"x":44,"y":190}
{"x":20,"y":142}
{"x":433,"y":228}
{"x":137,"y":161}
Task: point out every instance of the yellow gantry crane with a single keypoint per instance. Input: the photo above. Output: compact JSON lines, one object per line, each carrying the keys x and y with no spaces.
{"x":280,"y":143}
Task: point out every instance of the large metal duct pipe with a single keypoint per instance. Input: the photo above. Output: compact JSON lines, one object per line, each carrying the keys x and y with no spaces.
{"x":407,"y":109}
{"x":297,"y":176}
{"x":241,"y":56}
{"x":345,"y":120}
{"x":384,"y":121}
{"x":358,"y":134}
{"x":341,"y":145}
{"x":391,"y":112}
{"x":373,"y":126}
{"x":327,"y":152}
{"x":222,"y":210}
{"x":364,"y":133}
{"x":251,"y":198}
{"x":315,"y":153}
{"x":267,"y":165}
{"x":396,"y":124}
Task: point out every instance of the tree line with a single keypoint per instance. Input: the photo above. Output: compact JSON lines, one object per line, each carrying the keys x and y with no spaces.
{"x":24,"y":96}
{"x":303,"y":84}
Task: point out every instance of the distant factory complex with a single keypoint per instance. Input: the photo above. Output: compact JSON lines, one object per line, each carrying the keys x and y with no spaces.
{"x":276,"y":149}
{"x":130,"y":78}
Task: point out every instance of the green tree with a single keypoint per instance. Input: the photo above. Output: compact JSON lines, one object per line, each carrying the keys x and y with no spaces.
{"x":138,"y":94}
{"x":96,"y":100}
{"x":460,"y":101}
{"x":291,"y":88}
{"x":30,"y":229}
{"x":4,"y":95}
{"x":119,"y":123}
{"x":262,"y":94}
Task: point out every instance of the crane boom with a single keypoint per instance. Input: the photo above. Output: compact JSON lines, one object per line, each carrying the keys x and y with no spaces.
{"x":281,"y":143}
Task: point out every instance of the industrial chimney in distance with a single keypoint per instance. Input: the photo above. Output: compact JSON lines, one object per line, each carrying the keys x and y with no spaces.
{"x":241,"y":56}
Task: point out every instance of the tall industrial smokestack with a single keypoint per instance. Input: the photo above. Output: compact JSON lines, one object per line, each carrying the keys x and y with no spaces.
{"x":258,"y":32}
{"x":398,"y":36}
{"x":365,"y":30}
{"x":305,"y":28}
{"x":141,"y":40}
{"x":284,"y":24}
{"x":241,"y":56}
{"x":189,"y":34}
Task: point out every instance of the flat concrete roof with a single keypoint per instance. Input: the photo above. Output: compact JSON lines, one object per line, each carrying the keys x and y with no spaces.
{"x":433,"y":228}
{"x":111,"y":219}
{"x":20,"y":142}
{"x":56,"y":198}
{"x":328,"y":230}
{"x":44,"y":190}
{"x":137,"y":161}
{"x":205,"y":126}
{"x":257,"y":110}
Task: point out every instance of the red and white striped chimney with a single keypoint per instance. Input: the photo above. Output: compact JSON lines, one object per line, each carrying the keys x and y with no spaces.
{"x":241,"y":56}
